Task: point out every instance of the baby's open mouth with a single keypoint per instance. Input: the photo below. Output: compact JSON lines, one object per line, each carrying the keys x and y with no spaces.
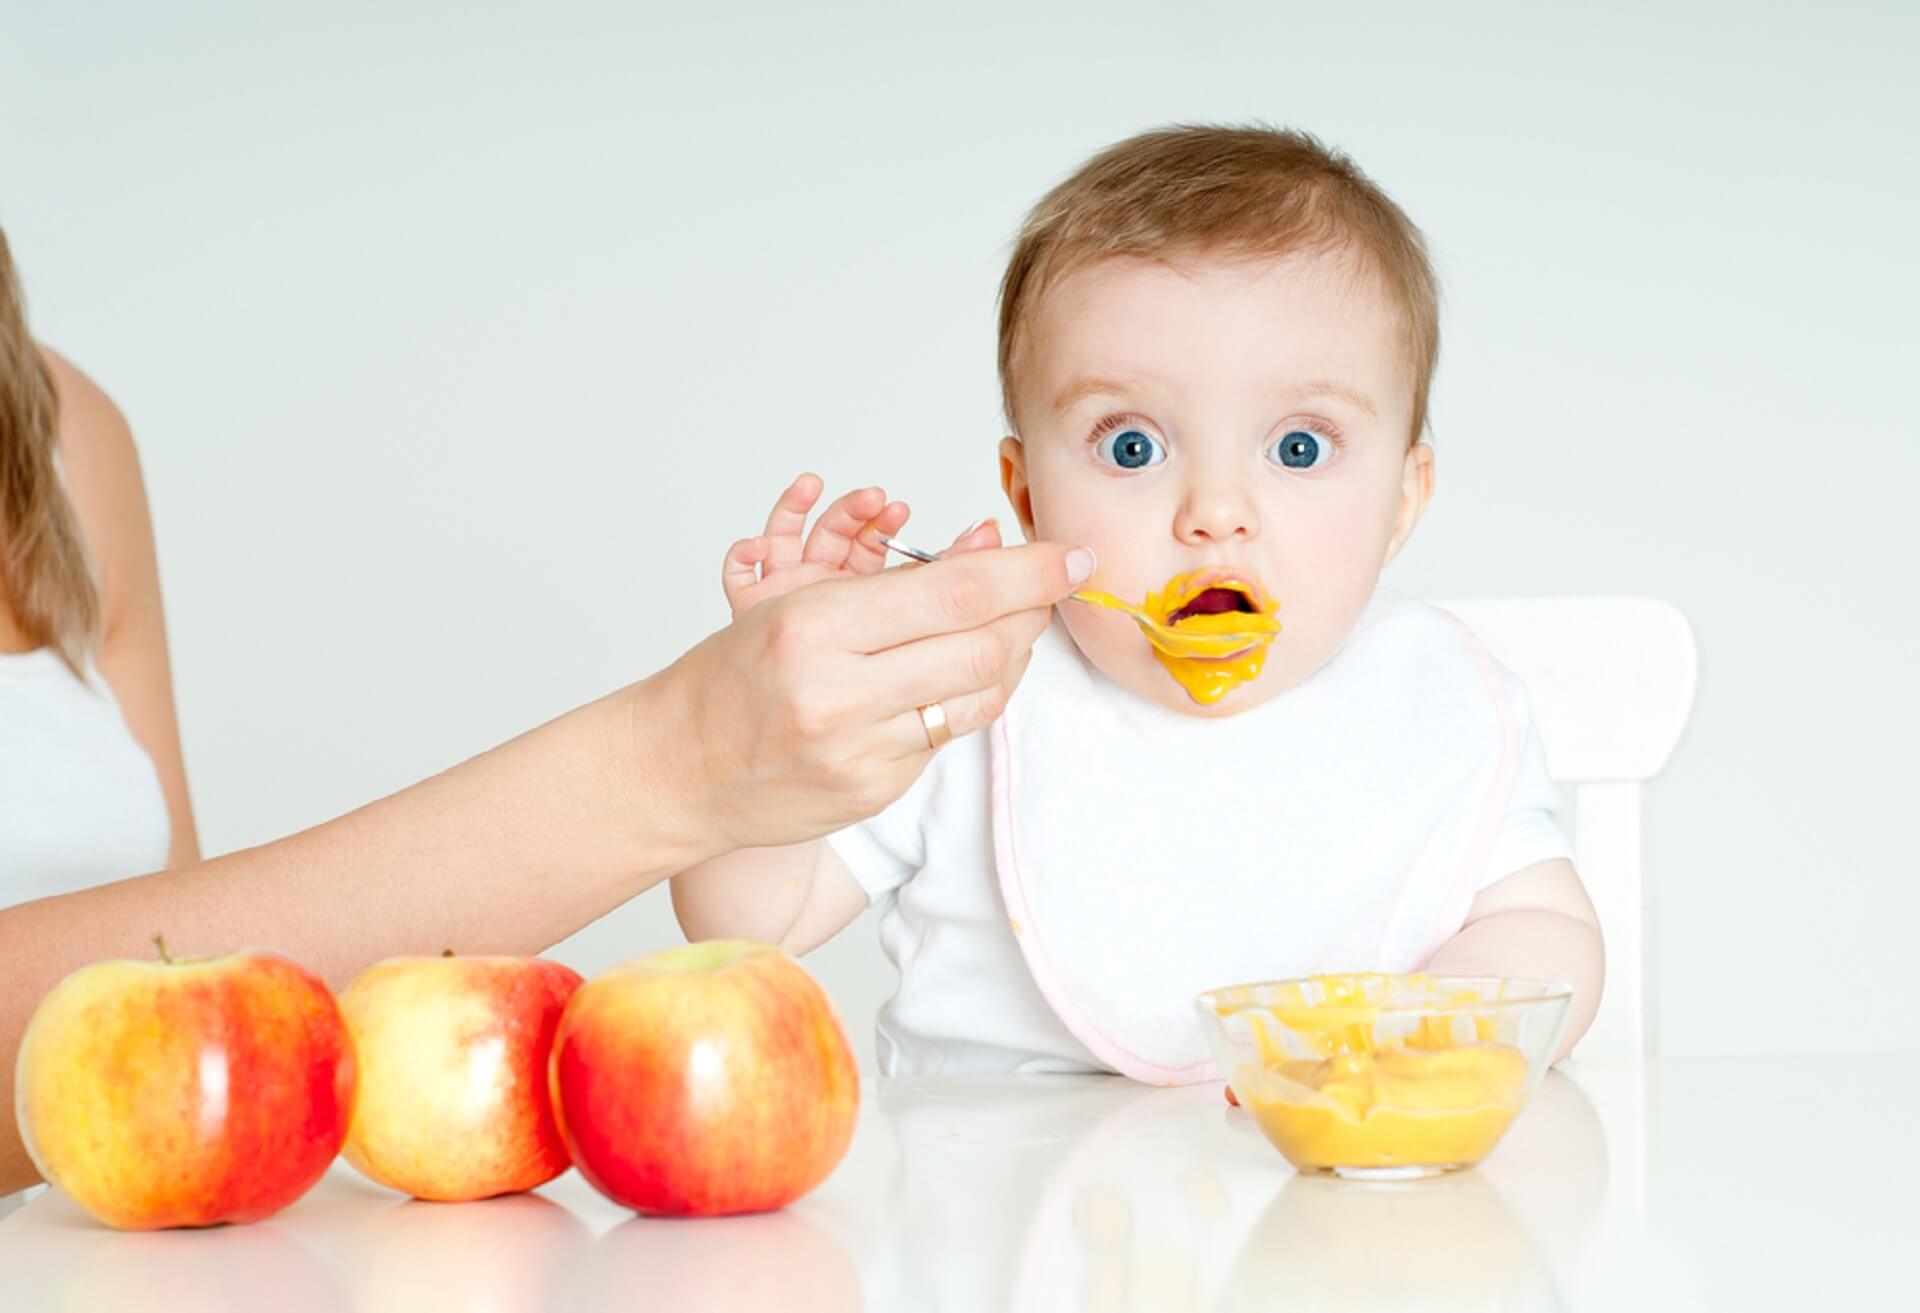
{"x":1217,"y":600}
{"x":1216,"y":616}
{"x":1216,"y":628}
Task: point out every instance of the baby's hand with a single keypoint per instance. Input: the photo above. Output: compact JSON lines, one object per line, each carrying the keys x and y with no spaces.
{"x":842,"y":543}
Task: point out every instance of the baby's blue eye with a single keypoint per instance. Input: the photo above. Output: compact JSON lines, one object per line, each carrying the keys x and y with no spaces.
{"x":1130,"y":449}
{"x":1298,"y":449}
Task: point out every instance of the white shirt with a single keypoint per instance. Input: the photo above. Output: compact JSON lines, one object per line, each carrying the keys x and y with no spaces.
{"x":968,"y":1000}
{"x":80,"y":802}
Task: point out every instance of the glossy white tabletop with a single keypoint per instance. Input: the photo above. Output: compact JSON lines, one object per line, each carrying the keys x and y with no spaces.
{"x":1741,"y":1184}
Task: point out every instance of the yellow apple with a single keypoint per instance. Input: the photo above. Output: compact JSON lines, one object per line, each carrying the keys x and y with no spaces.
{"x":453,"y":1057}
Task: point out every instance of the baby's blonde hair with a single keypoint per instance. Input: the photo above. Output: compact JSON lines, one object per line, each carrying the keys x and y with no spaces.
{"x":1240,"y":191}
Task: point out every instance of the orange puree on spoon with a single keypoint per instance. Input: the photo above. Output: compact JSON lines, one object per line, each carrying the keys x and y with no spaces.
{"x":1207,"y":618}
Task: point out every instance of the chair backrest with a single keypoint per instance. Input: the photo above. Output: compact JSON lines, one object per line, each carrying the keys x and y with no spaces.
{"x":1612,"y":682}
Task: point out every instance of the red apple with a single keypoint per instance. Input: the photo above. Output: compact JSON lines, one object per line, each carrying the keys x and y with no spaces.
{"x":453,"y":1057}
{"x":185,"y":1092}
{"x":710,"y":1079}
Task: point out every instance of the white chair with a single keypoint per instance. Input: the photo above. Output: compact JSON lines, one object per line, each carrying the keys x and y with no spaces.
{"x":1612,"y":682}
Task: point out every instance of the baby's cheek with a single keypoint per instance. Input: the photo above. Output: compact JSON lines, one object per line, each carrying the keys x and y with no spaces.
{"x":1109,"y":640}
{"x":1070,"y":507}
{"x":1129,"y":568}
{"x":1317,"y":612}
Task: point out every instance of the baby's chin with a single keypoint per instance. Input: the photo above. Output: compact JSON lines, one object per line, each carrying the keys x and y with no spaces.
{"x":1130,"y":662}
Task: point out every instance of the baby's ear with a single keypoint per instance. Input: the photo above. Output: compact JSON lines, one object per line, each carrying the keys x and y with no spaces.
{"x":1416,"y":490}
{"x":1013,"y":482}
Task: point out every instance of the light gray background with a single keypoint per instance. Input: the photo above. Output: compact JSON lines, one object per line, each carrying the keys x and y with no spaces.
{"x":459,"y":341}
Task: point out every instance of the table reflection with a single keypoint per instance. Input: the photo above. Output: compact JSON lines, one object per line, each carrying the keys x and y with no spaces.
{"x":1092,"y":1194}
{"x":225,"y":1269}
{"x":505,"y":1255}
{"x":748,"y":1264}
{"x":1106,"y":1196}
{"x":1448,"y":1243}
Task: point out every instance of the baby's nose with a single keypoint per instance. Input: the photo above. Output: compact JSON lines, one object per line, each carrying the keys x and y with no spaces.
{"x":1221,"y":513}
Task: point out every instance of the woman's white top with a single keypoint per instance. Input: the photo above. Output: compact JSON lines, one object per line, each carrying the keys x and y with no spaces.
{"x":80,"y":802}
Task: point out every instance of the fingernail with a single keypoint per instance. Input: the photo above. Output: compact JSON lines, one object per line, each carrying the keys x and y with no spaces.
{"x":1080,"y":565}
{"x":977,"y":526}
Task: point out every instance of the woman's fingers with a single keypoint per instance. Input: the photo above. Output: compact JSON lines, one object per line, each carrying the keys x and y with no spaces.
{"x":977,"y":538}
{"x":839,"y":525}
{"x":740,"y":569}
{"x":950,"y":595}
{"x":950,"y":665}
{"x":964,"y":713}
{"x":787,"y":522}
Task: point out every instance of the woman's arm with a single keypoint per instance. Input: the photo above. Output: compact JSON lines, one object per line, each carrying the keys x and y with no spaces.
{"x":1537,"y":924}
{"x":103,"y":478}
{"x":506,"y":853}
{"x":793,"y":722}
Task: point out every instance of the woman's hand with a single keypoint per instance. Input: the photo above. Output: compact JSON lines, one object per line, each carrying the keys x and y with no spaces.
{"x":802,"y":716}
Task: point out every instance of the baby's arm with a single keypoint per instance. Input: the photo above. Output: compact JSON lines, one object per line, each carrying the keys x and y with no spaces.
{"x":802,"y":895}
{"x":1537,"y":923}
{"x":797,"y":897}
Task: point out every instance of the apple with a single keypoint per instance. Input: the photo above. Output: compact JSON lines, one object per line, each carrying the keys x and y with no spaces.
{"x":453,"y":1053}
{"x":187,"y":1091}
{"x":705,"y":1080}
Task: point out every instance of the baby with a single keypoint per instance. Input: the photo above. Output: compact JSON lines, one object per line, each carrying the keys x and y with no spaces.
{"x":1215,"y":353}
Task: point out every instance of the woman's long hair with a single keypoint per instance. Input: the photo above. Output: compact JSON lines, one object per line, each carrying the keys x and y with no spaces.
{"x":45,"y":579}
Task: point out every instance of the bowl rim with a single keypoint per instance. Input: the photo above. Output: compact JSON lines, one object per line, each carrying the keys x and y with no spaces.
{"x":1549,"y":991}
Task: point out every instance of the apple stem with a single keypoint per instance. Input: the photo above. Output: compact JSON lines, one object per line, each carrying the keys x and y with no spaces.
{"x":446,"y":952}
{"x":160,"y":942}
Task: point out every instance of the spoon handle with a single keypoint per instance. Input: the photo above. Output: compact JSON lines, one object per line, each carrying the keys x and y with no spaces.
{"x":1140,"y":617}
{"x":906,"y":549}
{"x":894,"y":544}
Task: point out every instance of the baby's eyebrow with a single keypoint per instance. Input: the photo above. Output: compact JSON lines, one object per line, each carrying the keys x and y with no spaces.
{"x":1328,"y":388}
{"x":1080,"y":389}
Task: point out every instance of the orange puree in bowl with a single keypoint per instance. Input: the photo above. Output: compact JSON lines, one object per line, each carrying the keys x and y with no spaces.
{"x":1440,"y":1095}
{"x":1403,"y":1107}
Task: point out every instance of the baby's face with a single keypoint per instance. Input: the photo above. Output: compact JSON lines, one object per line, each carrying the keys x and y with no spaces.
{"x":1247,"y":416}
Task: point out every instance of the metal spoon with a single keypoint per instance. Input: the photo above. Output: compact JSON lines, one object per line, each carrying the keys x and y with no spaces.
{"x":1172,"y":641}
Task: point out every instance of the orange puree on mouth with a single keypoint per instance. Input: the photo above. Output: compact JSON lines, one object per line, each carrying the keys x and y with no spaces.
{"x":1428,"y":1098}
{"x":1205,"y":664}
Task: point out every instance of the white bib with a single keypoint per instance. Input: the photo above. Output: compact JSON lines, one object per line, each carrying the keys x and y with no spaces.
{"x":1146,"y":856}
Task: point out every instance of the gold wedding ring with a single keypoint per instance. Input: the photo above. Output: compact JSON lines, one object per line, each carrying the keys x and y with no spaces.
{"x":934,"y":720}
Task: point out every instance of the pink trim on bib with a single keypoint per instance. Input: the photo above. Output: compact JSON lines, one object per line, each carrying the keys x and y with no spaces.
{"x":1052,"y":984}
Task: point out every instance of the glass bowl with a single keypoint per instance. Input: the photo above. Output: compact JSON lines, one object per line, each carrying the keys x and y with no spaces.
{"x":1384,"y":1077}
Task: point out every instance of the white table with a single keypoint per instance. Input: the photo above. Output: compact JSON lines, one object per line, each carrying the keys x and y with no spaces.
{"x":1740,"y":1184}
